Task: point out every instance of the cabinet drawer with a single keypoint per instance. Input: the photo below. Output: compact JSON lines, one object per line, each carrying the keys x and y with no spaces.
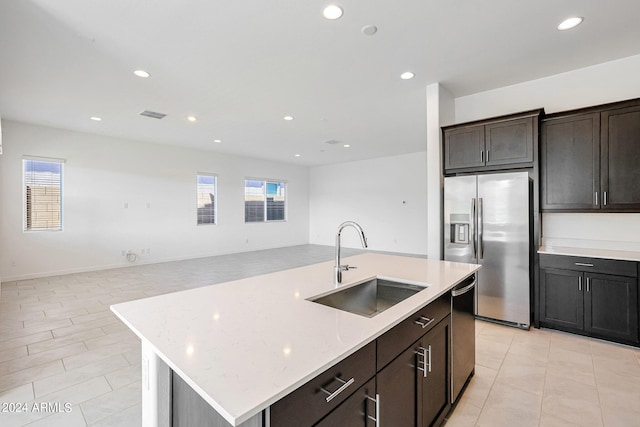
{"x":395,"y":341}
{"x":594,"y":265}
{"x":308,"y":404}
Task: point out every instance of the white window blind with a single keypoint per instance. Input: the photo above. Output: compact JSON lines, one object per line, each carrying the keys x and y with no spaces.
{"x":264,"y":200}
{"x":206,"y":205}
{"x":42,"y":194}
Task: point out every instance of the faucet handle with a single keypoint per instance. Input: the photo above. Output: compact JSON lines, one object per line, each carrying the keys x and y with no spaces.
{"x":347,"y":267}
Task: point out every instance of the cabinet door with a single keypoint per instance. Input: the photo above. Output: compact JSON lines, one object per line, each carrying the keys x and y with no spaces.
{"x":561,"y":299}
{"x":509,"y":142}
{"x":464,"y":147}
{"x":570,"y":163}
{"x":356,"y":410}
{"x":620,"y":150}
{"x":434,"y":394}
{"x":397,"y":386}
{"x":611,"y":306}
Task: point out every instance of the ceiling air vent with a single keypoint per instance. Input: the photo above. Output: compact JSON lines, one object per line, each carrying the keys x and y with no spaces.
{"x":332,"y":142}
{"x":152,"y":114}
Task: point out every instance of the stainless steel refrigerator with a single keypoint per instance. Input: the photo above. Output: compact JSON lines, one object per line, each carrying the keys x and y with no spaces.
{"x":487,"y":221}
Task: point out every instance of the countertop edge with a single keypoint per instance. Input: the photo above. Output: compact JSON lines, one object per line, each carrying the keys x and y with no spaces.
{"x":590,"y":252}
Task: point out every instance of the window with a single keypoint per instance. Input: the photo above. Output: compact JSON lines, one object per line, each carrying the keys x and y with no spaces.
{"x":42,"y":194}
{"x":264,"y":201}
{"x":206,"y":199}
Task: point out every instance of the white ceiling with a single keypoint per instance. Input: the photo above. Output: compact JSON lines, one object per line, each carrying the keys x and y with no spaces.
{"x":239,"y":66}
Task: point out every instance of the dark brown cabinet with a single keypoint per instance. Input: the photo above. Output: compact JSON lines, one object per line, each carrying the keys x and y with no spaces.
{"x":620,"y":154}
{"x":570,"y":162}
{"x":595,"y":297}
{"x":359,"y":410}
{"x":589,"y":159}
{"x":500,"y":143}
{"x":414,"y":388}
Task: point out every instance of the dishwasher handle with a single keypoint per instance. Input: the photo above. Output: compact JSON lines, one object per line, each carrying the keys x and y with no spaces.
{"x":462,"y":291}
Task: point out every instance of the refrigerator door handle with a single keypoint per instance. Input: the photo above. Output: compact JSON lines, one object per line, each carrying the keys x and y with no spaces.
{"x":472,"y":234}
{"x":480,"y":230}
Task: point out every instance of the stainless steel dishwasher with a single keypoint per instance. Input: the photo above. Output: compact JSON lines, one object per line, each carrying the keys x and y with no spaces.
{"x":463,"y":335}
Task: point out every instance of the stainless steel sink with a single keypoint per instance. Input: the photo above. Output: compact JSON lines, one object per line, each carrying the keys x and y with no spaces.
{"x":370,"y":297}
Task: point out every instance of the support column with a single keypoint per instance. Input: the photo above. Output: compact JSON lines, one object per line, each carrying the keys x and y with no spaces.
{"x":440,"y":112}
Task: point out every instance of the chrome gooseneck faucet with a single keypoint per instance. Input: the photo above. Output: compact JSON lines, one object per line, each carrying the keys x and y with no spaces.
{"x":338,"y":268}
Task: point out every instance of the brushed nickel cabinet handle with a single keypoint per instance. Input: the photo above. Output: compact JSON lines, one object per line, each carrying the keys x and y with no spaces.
{"x":425,"y":321}
{"x":342,"y":388}
{"x":375,"y":419}
{"x":583,"y":264}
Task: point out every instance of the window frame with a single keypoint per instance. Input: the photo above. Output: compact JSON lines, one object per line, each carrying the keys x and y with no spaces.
{"x":215,"y":198}
{"x":265,"y":182}
{"x":61,"y":162}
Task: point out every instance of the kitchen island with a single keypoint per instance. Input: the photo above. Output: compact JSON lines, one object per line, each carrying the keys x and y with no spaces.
{"x":242,"y":346}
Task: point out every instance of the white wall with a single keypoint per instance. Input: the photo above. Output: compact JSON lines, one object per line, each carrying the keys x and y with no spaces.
{"x":103,"y":173}
{"x":386,"y":196}
{"x":598,"y":84}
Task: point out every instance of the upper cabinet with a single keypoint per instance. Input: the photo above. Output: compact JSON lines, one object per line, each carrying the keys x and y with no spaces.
{"x":589,"y":159}
{"x":500,"y":143}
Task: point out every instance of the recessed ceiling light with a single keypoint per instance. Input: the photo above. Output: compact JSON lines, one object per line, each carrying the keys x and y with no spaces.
{"x":407,"y":75}
{"x":96,"y":119}
{"x":141,"y":73}
{"x":332,"y":12}
{"x":192,"y":118}
{"x":288,"y":118}
{"x":297,"y":155}
{"x":570,"y":23}
{"x":217,"y":140}
{"x":347,"y":145}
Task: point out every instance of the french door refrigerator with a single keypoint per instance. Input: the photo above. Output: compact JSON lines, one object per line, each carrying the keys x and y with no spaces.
{"x":487,"y":221}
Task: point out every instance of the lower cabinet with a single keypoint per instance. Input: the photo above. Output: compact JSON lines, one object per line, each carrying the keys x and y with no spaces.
{"x":414,"y":388}
{"x":581,"y":295}
{"x":359,"y":410}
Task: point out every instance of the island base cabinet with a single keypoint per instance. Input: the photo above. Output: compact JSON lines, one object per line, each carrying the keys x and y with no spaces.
{"x":359,"y":410}
{"x":414,"y":388}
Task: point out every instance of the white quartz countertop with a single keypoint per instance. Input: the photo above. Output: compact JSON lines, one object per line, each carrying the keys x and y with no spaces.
{"x":591,"y":253}
{"x":244,"y":345}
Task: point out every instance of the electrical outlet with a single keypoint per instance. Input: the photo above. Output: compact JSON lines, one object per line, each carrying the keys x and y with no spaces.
{"x":13,"y":263}
{"x":126,"y":205}
{"x":142,"y":251}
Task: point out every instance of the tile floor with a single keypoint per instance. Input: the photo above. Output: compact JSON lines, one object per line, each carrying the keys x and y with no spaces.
{"x":60,"y":344}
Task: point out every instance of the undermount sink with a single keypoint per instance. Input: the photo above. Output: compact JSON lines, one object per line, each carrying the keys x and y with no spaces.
{"x":370,"y":297}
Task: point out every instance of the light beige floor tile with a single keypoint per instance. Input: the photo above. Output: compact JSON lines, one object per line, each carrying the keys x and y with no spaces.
{"x":90,"y":356}
{"x":621,"y":417}
{"x":91,"y":316}
{"x":25,"y":376}
{"x":106,"y":405}
{"x":130,"y":417}
{"x":522,"y":372}
{"x":571,"y":402}
{"x":73,"y":418}
{"x":508,"y":407}
{"x":68,"y":330}
{"x":65,"y":340}
{"x":125,"y":376}
{"x":490,"y":353}
{"x":24,"y":393}
{"x":41,"y":358}
{"x":480,"y":385}
{"x":48,"y":319}
{"x":80,"y":392}
{"x":76,"y":376}
{"x":13,"y":353}
{"x":109,"y":339}
{"x":26,"y":340}
{"x":24,"y":332}
{"x":465,"y":414}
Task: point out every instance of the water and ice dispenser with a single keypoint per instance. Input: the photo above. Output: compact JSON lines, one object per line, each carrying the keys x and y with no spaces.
{"x":459,"y":228}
